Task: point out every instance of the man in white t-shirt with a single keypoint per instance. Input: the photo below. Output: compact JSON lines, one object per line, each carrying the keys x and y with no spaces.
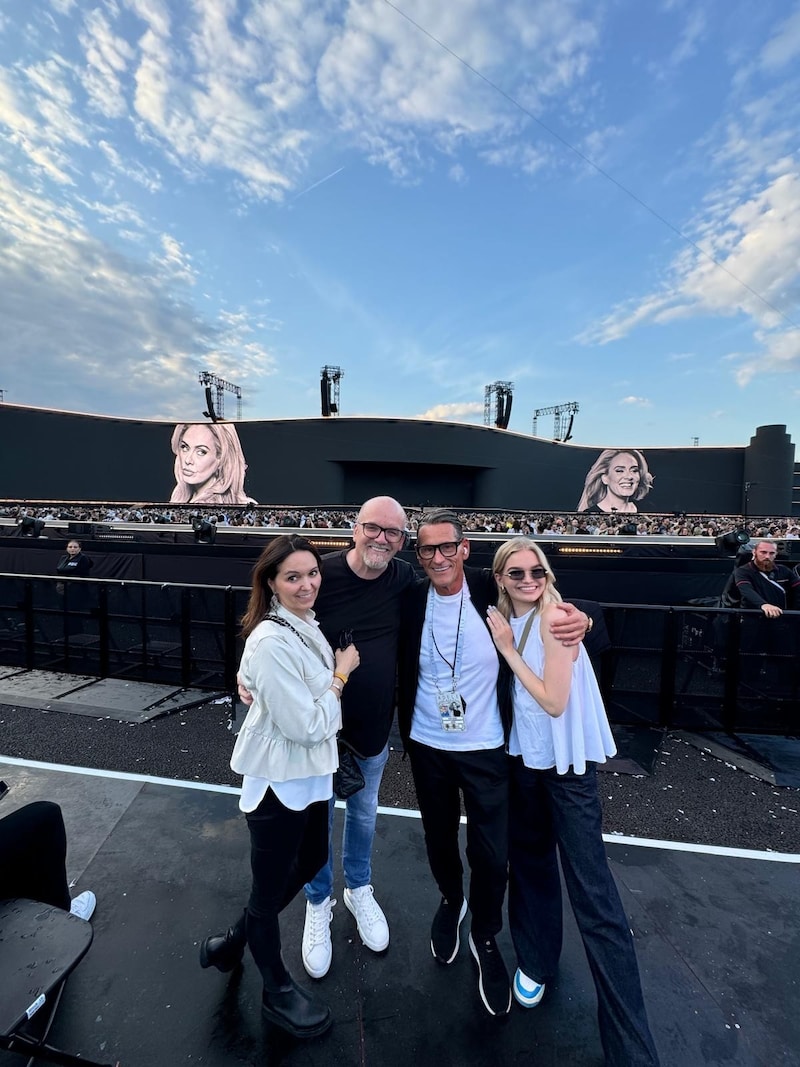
{"x":451,"y":722}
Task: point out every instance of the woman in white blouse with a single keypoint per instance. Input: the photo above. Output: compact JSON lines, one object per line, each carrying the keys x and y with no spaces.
{"x":286,"y":750}
{"x":559,"y":734}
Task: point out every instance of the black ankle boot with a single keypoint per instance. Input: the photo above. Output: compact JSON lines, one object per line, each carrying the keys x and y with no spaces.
{"x":295,"y":1010}
{"x":223,"y":951}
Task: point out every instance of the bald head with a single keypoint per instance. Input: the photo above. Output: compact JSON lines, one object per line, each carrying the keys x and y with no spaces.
{"x":383,"y":504}
{"x":374,"y":547}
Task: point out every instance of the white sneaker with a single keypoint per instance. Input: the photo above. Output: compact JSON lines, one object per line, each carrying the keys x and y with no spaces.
{"x":372,"y":925}
{"x":527,"y":991}
{"x":317,"y":948}
{"x":83,"y":905}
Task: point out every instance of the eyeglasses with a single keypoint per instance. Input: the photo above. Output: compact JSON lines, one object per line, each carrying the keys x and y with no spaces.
{"x":517,"y":574}
{"x":391,"y":533}
{"x":447,"y":548}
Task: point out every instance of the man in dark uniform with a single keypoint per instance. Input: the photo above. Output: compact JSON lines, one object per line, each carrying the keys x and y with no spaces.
{"x":763,"y":583}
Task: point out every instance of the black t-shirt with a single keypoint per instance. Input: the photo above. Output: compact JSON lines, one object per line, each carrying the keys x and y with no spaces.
{"x":369,"y":610}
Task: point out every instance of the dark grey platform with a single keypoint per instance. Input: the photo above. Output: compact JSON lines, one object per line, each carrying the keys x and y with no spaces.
{"x":717,"y":937}
{"x":80,"y":694}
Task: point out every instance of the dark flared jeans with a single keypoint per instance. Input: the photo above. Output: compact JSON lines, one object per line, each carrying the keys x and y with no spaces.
{"x":555,"y":814}
{"x":287,"y":848}
{"x":440,"y":778}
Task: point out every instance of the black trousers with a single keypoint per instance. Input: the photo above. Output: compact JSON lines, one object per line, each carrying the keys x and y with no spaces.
{"x":441,"y":777}
{"x":33,"y":853}
{"x":556,"y":815}
{"x":287,"y":848}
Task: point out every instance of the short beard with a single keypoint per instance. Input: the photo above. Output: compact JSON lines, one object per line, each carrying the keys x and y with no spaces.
{"x":373,"y":564}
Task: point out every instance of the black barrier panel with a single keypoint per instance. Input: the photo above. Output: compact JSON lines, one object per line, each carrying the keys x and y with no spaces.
{"x":681,"y":668}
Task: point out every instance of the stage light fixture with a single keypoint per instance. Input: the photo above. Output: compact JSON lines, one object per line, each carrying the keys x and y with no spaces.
{"x":30,"y":527}
{"x":730,"y":543}
{"x":205,"y":532}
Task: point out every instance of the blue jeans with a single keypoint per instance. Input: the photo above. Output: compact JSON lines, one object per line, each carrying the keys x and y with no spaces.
{"x":555,"y":815}
{"x":360,"y":816}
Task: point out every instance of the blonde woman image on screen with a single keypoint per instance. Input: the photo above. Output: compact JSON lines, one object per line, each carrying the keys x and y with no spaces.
{"x":209,"y":465}
{"x":617,"y":478}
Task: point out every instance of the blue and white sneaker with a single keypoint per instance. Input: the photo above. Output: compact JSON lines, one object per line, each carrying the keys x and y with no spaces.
{"x":527,"y":992}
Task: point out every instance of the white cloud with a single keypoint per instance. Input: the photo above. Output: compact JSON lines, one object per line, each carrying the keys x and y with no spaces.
{"x":104,"y":325}
{"x":453,"y":412}
{"x":637,"y":401}
{"x":784,"y":45}
{"x":757,"y":242}
{"x":108,"y":56}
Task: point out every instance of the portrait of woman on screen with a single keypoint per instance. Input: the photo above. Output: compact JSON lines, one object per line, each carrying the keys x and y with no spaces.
{"x":209,"y":465}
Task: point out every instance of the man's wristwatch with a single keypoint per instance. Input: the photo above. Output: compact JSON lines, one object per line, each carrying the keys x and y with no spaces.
{"x":589,"y":625}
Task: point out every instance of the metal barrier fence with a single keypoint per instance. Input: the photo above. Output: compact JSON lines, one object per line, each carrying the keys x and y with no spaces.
{"x":689,"y":668}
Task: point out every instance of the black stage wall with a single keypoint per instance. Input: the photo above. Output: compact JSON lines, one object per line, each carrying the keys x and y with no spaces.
{"x":50,"y":455}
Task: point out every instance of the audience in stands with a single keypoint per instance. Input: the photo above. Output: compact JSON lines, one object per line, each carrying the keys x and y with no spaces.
{"x":528,"y":524}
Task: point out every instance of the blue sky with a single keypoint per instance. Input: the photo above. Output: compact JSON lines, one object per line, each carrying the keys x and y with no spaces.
{"x":257,"y":188}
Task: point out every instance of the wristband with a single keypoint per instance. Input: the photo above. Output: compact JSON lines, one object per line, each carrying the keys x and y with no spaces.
{"x":343,"y":678}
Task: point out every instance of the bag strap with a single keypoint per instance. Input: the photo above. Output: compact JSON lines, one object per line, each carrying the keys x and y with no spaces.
{"x":271,"y":617}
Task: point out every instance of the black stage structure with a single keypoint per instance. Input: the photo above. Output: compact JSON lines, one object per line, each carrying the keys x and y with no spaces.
{"x":347,"y":460}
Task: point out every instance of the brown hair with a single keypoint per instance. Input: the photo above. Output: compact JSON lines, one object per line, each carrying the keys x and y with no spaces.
{"x":265,"y":571}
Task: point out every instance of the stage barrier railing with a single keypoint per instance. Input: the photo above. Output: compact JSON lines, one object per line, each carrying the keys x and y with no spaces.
{"x":694,"y":668}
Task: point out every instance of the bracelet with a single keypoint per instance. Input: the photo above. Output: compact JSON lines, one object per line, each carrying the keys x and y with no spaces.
{"x":336,"y":688}
{"x":343,"y":678}
{"x":589,"y":627}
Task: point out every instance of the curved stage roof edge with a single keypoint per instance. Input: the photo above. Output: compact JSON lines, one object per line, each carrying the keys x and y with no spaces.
{"x":56,"y":455}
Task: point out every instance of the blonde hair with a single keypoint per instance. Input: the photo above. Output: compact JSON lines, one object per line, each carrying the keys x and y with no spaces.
{"x":501,"y":557}
{"x":228,"y":478}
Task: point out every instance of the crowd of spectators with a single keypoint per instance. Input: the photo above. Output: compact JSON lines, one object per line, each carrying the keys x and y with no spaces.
{"x":532,"y":524}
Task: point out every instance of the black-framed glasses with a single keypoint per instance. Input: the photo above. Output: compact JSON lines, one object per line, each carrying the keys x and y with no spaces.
{"x":373,"y":530}
{"x":345,"y":639}
{"x":447,"y":548}
{"x":517,"y":574}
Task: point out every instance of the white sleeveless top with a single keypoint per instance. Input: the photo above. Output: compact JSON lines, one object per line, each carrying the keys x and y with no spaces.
{"x":581,"y":733}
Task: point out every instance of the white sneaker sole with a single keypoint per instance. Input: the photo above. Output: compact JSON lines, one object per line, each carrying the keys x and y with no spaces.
{"x":372,"y":945}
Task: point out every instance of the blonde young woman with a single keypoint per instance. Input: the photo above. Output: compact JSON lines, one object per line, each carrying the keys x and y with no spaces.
{"x":559,"y":734}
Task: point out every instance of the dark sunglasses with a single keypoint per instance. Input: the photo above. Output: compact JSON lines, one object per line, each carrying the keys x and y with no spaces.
{"x":517,"y":574}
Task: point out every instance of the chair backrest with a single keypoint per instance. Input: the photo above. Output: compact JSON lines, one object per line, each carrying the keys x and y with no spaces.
{"x":40,"y":946}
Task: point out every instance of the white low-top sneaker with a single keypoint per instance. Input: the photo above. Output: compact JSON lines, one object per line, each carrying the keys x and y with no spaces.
{"x":83,"y":905}
{"x":317,"y":948}
{"x":527,"y":991}
{"x":373,"y":928}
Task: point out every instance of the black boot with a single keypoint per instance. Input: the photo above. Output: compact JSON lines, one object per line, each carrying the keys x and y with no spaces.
{"x":295,"y":1010}
{"x":223,"y":951}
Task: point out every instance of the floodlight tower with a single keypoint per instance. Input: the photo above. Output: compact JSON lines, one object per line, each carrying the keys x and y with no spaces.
{"x":563,"y":418}
{"x":497,"y":399}
{"x":217,"y":411}
{"x":329,"y":390}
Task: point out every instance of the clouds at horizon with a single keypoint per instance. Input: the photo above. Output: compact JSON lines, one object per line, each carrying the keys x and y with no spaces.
{"x":165,"y":168}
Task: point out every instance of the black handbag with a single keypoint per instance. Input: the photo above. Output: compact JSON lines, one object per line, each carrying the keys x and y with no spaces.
{"x":349,"y":778}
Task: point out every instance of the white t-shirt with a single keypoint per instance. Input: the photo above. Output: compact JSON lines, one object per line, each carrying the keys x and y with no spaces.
{"x":454,"y":635}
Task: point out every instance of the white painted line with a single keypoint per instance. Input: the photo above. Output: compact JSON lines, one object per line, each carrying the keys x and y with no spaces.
{"x":407,"y":813}
{"x":145,"y":779}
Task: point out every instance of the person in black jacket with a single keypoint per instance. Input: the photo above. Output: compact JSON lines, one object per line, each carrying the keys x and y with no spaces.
{"x":763,"y":583}
{"x":73,"y":564}
{"x":455,"y":726}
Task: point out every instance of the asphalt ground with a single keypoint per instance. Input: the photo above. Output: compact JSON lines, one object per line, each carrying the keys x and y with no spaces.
{"x":690,"y":797}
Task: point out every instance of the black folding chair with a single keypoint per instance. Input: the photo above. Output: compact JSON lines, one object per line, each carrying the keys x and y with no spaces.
{"x":39,"y":947}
